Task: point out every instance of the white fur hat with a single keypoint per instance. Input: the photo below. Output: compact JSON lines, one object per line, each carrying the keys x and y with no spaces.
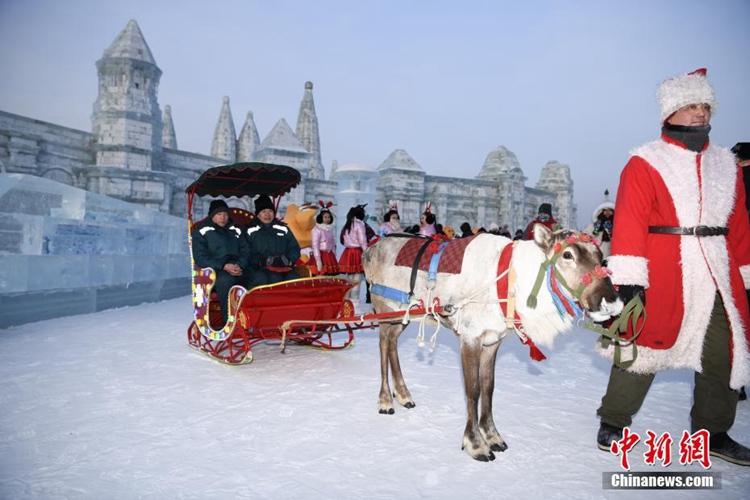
{"x":684,"y":90}
{"x":600,"y":207}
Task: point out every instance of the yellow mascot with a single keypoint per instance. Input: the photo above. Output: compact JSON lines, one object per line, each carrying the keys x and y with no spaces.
{"x":301,"y":220}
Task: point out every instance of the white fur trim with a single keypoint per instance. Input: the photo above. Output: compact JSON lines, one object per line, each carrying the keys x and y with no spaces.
{"x":684,"y":90}
{"x":745,"y":271}
{"x":628,"y":270}
{"x":600,"y":207}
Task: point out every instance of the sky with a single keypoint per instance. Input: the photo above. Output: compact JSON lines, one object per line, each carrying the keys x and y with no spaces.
{"x":115,"y":405}
{"x":572,"y":81}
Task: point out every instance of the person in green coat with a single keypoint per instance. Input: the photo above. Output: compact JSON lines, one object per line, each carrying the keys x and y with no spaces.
{"x":273,"y":248}
{"x":218,"y":244}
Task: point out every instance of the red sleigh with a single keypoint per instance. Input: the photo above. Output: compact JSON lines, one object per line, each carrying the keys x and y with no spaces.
{"x":303,"y":311}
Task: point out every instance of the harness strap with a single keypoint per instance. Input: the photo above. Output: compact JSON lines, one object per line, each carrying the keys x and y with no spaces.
{"x":400,"y":295}
{"x":634,"y":313}
{"x":505,"y":283}
{"x":435,"y":260}
{"x":390,"y":293}
{"x":532,"y":300}
{"x":415,"y":266}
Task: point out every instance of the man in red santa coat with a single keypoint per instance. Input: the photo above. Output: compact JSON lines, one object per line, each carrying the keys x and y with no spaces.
{"x":681,"y":241}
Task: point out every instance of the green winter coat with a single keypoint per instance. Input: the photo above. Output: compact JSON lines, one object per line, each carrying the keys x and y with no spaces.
{"x":271,"y":240}
{"x":214,"y":246}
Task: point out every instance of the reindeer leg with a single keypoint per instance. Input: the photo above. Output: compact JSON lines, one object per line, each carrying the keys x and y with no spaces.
{"x":473,"y":443}
{"x":385,"y":400}
{"x":487,"y":380}
{"x":399,"y":385}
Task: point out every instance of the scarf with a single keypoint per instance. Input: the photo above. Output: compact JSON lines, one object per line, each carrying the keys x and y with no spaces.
{"x":694,"y":138}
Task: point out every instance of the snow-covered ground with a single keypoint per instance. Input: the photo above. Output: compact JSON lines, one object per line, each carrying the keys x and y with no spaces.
{"x":115,"y":405}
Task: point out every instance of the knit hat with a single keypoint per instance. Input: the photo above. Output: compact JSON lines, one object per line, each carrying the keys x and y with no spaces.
{"x":263,"y":202}
{"x":545,"y":208}
{"x":684,"y":90}
{"x":217,"y":206}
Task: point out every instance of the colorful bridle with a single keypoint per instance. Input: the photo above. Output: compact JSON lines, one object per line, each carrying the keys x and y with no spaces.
{"x":633,"y":312}
{"x":549,"y":273}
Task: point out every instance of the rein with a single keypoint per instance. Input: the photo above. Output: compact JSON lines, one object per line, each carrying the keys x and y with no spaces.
{"x":633,"y":313}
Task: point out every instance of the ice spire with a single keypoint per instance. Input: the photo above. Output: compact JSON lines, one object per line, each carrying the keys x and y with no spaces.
{"x":307,"y":131}
{"x":168,"y":137}
{"x":249,"y":140}
{"x":334,"y":168}
{"x":130,"y":44}
{"x":224,"y":145}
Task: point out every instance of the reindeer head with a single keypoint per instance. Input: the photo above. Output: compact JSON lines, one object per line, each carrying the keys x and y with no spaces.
{"x":577,"y":260}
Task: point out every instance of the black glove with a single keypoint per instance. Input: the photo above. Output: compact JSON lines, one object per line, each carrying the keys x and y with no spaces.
{"x":628,"y":292}
{"x":276,"y":261}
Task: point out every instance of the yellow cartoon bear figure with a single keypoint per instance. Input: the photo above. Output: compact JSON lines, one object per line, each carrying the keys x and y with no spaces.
{"x":301,"y":220}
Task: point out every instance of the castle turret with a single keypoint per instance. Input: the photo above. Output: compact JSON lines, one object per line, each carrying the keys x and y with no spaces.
{"x":282,"y":147}
{"x":127,"y":124}
{"x":249,"y":140}
{"x":307,"y":132}
{"x":555,"y":177}
{"x":334,"y":168}
{"x":224,"y":145}
{"x":503,"y":168}
{"x":168,"y":137}
{"x":401,"y":178}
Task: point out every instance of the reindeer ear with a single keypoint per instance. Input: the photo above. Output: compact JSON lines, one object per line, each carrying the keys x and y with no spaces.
{"x":543,"y":237}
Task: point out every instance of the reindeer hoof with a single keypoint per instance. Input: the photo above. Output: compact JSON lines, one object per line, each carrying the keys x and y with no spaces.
{"x":499,"y":447}
{"x":410,"y":405}
{"x":389,"y":411}
{"x":485,"y":458}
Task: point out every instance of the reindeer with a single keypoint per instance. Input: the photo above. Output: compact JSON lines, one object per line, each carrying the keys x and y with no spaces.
{"x":471,"y":303}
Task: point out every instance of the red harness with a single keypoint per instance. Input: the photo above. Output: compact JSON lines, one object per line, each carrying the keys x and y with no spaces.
{"x":503,"y":269}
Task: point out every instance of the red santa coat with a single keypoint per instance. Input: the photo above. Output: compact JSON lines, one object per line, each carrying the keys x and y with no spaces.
{"x":665,"y":184}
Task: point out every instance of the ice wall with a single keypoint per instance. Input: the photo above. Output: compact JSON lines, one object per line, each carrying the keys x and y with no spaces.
{"x":67,"y":251}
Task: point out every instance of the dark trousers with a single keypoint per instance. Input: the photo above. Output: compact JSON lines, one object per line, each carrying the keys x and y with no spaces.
{"x":225,"y":281}
{"x":714,"y":403}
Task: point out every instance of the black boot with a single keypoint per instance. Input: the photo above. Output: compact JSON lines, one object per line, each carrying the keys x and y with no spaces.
{"x":726,"y":448}
{"x":607,"y":433}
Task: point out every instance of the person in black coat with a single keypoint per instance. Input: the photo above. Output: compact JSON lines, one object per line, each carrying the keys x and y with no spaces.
{"x":742,"y":151}
{"x":217,"y":243}
{"x":273,"y":247}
